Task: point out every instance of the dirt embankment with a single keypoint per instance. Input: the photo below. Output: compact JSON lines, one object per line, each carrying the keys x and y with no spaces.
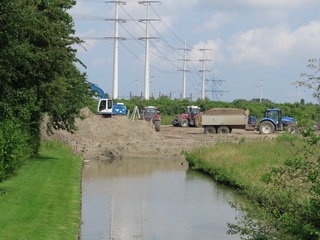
{"x":120,"y":137}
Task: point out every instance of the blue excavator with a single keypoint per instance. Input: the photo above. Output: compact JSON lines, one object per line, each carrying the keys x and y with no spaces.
{"x":106,"y":106}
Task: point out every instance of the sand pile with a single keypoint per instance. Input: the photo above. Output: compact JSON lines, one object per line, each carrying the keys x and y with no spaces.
{"x":113,"y":138}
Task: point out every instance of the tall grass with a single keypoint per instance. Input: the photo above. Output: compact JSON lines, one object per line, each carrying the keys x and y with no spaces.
{"x":240,"y":163}
{"x":43,"y":200}
{"x":247,"y":166}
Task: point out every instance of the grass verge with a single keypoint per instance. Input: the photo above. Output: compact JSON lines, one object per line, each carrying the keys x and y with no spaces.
{"x":42,"y":201}
{"x":240,"y":164}
{"x":279,"y":176}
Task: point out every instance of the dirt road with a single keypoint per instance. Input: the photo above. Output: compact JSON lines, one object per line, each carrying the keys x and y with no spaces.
{"x":120,"y":137}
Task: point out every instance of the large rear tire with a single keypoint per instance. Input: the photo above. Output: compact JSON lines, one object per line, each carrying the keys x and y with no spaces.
{"x":184,"y":122}
{"x":266,"y":128}
{"x":157,"y":125}
{"x":223,"y":130}
{"x":210,"y":130}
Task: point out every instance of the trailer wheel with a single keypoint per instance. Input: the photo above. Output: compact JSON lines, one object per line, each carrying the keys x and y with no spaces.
{"x":266,"y":128}
{"x":210,"y":129}
{"x":223,"y":130}
{"x":184,"y":122}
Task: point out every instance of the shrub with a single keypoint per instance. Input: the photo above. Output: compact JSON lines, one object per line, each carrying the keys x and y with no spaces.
{"x":14,"y":147}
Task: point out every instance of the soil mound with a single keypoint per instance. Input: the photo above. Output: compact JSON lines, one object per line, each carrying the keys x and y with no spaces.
{"x":111,"y":138}
{"x":224,"y":111}
{"x":120,"y":137}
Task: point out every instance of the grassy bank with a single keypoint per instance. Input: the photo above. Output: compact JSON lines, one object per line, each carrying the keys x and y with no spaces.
{"x":240,"y":164}
{"x":42,"y":201}
{"x":280,"y":177}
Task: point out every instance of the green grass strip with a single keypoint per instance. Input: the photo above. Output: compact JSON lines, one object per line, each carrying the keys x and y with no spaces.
{"x":42,"y":201}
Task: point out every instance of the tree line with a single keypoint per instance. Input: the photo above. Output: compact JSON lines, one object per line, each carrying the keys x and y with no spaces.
{"x":306,"y":114}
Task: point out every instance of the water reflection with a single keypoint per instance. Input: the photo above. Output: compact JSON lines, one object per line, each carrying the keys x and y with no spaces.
{"x":152,"y":199}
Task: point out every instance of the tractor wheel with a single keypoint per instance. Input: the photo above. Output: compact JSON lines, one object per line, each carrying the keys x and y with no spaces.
{"x":175,"y":123}
{"x":184,"y":122}
{"x":223,"y":130}
{"x":292,"y":128}
{"x":266,"y":128}
{"x":210,"y":129}
{"x":157,"y":125}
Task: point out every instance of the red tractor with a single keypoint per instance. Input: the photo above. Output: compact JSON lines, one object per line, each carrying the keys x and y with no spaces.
{"x":152,"y":114}
{"x":190,"y":118}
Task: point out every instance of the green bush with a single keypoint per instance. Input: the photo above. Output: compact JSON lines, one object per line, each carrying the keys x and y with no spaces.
{"x":14,"y":147}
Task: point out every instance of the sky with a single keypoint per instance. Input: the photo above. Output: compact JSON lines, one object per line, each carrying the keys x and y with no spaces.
{"x":255,"y":48}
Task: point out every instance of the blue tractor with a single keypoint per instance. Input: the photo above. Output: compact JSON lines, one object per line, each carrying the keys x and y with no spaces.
{"x":274,"y":121}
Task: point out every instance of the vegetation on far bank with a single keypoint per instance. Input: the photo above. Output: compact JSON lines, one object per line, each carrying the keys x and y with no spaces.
{"x":306,"y":114}
{"x":42,"y":201}
{"x":281,"y":177}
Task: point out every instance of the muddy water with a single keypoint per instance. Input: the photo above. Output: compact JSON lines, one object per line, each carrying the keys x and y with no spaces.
{"x":152,"y":199}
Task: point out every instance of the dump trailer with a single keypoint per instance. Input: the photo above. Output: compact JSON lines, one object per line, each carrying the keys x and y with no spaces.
{"x":223,"y":120}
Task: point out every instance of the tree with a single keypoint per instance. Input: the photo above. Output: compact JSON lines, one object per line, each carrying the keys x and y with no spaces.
{"x":37,"y":67}
{"x":313,"y":79}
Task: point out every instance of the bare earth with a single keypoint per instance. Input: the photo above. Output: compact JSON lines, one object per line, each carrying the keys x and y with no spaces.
{"x":122,"y":138}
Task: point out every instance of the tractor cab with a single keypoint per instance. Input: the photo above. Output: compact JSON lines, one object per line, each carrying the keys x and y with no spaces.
{"x":275,"y":116}
{"x":193,"y":110}
{"x":150,"y":113}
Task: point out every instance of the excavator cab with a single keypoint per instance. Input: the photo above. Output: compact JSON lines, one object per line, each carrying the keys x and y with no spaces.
{"x":105,"y":107}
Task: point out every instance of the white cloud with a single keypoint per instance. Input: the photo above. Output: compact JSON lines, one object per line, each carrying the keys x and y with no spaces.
{"x":176,"y":4}
{"x":258,"y":4}
{"x":273,"y":46}
{"x":216,"y":22}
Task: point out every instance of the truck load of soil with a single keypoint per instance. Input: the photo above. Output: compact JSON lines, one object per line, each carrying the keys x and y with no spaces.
{"x":224,"y":111}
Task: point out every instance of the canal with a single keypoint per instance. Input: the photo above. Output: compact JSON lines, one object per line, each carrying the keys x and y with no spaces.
{"x":153,"y":199}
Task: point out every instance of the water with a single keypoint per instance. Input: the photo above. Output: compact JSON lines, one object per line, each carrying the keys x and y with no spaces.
{"x":152,"y":199}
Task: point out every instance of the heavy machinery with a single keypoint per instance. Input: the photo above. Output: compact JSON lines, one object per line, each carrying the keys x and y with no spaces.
{"x":97,"y":89}
{"x":152,"y":114}
{"x":107,"y":108}
{"x":189,"y":118}
{"x":274,"y":121}
{"x":223,"y":120}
